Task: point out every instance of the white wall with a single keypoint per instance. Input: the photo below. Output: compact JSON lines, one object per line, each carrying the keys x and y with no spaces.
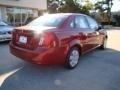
{"x":3,"y":13}
{"x":0,"y":15}
{"x":36,"y":4}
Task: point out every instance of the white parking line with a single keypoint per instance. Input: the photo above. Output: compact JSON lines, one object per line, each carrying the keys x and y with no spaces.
{"x":4,"y":76}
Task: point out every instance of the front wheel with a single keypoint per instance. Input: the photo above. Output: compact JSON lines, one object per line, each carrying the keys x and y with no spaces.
{"x":72,"y":58}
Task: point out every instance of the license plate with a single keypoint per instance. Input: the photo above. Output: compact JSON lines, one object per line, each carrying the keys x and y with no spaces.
{"x":23,"y":39}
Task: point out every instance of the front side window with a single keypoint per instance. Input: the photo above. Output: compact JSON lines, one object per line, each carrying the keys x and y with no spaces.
{"x":92,"y":23}
{"x":48,"y":20}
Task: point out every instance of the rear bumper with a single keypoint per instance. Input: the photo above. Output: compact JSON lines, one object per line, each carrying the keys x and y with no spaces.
{"x":38,"y":56}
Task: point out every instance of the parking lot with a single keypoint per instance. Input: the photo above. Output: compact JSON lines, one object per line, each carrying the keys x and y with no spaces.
{"x":98,"y":70}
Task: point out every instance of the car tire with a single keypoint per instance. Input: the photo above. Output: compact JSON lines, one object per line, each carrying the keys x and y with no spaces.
{"x":103,"y":46}
{"x":72,"y":59}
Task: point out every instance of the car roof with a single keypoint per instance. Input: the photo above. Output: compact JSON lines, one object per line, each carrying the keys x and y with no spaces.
{"x":69,"y":14}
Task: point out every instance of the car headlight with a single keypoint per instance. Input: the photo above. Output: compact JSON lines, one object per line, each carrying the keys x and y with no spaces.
{"x":1,"y":33}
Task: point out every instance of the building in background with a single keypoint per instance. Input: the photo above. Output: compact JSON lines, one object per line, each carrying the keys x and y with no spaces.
{"x":19,"y":12}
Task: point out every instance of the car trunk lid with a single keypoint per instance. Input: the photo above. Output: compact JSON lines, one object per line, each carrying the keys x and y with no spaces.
{"x":28,"y":36}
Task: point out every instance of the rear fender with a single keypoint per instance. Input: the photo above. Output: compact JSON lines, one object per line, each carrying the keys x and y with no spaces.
{"x":75,"y":43}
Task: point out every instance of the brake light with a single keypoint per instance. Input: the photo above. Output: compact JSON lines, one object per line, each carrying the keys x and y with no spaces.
{"x":47,"y":39}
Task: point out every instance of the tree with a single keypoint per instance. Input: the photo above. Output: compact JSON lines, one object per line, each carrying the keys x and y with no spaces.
{"x":117,"y":19}
{"x":52,"y":5}
{"x":71,"y":6}
{"x":87,"y":7}
{"x":104,"y":6}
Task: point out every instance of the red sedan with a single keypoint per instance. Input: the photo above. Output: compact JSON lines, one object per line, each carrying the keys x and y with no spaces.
{"x":57,"y":39}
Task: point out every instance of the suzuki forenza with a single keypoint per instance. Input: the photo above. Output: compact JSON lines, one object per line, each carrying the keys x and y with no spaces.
{"x":57,"y":39}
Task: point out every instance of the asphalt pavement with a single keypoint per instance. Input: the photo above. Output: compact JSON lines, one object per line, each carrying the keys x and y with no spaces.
{"x":97,"y":70}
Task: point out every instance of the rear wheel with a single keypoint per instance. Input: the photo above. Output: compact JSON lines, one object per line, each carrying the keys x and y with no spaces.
{"x":72,"y":58}
{"x":103,"y":46}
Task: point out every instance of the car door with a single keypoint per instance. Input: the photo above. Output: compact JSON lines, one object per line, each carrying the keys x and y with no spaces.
{"x":96,"y":32}
{"x":80,"y":25}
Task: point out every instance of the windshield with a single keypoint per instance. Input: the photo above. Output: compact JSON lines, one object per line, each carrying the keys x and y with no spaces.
{"x":3,"y":24}
{"x":48,"y":20}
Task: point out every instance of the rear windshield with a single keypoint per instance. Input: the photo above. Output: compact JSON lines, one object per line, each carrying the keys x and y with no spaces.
{"x":48,"y":20}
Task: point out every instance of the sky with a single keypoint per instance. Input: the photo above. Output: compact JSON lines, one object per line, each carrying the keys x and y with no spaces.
{"x":116,"y":5}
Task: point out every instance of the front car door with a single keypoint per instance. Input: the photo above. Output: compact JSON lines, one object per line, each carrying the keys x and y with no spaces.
{"x":97,"y":39}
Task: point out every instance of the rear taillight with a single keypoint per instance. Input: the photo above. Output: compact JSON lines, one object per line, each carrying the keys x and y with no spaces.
{"x":48,"y":39}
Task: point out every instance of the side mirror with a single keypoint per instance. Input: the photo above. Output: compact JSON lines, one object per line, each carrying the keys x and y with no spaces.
{"x":99,"y":27}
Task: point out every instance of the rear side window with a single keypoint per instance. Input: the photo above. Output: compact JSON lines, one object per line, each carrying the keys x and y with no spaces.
{"x":92,"y":23}
{"x":80,"y":22}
